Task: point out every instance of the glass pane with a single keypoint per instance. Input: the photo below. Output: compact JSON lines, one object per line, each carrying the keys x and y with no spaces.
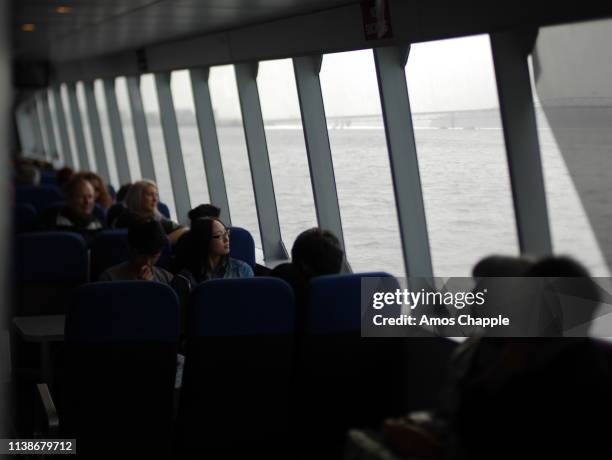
{"x":156,"y":136}
{"x":125,"y":112}
{"x":80,"y":91}
{"x":574,"y":116}
{"x":43,"y":125}
{"x":182,"y":95}
{"x":461,"y":153}
{"x":70,"y":127}
{"x":361,"y":162}
{"x":286,"y":148}
{"x":106,"y":133}
{"x":60,"y":161}
{"x":236,"y":168}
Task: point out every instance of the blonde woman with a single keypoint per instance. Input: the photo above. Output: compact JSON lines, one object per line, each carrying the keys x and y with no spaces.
{"x":141,"y":205}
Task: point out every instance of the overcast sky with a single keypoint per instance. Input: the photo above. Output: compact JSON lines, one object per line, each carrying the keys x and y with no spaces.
{"x":444,"y":75}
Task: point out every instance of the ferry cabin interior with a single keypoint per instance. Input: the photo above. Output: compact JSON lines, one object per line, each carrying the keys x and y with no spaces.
{"x":53,"y":53}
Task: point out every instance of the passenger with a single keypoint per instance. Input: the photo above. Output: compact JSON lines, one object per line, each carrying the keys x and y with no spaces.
{"x":513,"y":391}
{"x":77,"y":215}
{"x":63,"y":177}
{"x":204,"y":210}
{"x":561,"y":275}
{"x":102,"y":196}
{"x":147,"y":240}
{"x":208,"y":256}
{"x":119,"y":207}
{"x":123,"y":190}
{"x":315,"y":252}
{"x":141,"y":204}
{"x":27,"y":174}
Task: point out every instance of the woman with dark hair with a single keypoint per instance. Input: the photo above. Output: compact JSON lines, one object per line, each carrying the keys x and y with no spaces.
{"x":141,"y":205}
{"x":205,"y":256}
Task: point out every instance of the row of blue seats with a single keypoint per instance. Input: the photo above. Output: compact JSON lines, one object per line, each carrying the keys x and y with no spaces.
{"x":50,"y":178}
{"x":30,"y":201}
{"x":49,"y":265}
{"x":245,"y":384}
{"x":63,"y":256}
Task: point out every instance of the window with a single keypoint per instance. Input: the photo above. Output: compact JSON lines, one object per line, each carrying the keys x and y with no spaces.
{"x":71,"y":136}
{"x":123,"y":102}
{"x":461,"y":153}
{"x":570,"y":72}
{"x":182,"y":95}
{"x":286,"y":148}
{"x":109,"y":149}
{"x":361,"y":162}
{"x":234,"y":156}
{"x":91,"y":154}
{"x":156,"y":136}
{"x":59,"y":160}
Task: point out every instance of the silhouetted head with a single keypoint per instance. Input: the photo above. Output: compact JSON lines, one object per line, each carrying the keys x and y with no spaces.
{"x":28,"y":174}
{"x":204,"y":210}
{"x":317,"y":252}
{"x":147,"y":237}
{"x":498,"y":266}
{"x":569,"y":295}
{"x":122,"y":193}
{"x":63,"y":176}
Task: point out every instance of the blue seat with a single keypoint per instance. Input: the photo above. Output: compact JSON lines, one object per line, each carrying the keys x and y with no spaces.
{"x":243,"y":306}
{"x":120,"y":367}
{"x":338,"y":367}
{"x":161,"y":207}
{"x":123,"y":311}
{"x":48,"y":266}
{"x":48,"y":177}
{"x":242,"y":246}
{"x":335,"y":301}
{"x":25,"y":216}
{"x":111,"y":191}
{"x":39,"y":196}
{"x":239,"y":361}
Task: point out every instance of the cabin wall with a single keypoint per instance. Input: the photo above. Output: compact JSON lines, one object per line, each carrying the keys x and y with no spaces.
{"x":334,"y":30}
{"x":5,"y":154}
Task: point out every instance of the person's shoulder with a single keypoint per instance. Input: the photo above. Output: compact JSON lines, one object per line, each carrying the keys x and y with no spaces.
{"x":115,"y":273}
{"x":125,"y":219}
{"x":168,"y":225}
{"x":162,"y":275}
{"x":244,"y":269}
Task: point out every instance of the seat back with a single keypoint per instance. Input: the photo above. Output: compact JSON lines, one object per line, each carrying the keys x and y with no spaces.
{"x":239,"y":355}
{"x":48,"y":266}
{"x":120,"y":366}
{"x":48,"y":177}
{"x":242,"y":246}
{"x":163,"y":208}
{"x":111,"y":247}
{"x":344,"y":380}
{"x":25,"y":216}
{"x":39,"y":196}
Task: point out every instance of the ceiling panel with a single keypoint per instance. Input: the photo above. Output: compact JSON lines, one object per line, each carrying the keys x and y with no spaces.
{"x":97,"y":27}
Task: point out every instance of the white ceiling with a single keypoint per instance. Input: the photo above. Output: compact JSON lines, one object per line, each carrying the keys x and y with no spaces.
{"x":97,"y":27}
